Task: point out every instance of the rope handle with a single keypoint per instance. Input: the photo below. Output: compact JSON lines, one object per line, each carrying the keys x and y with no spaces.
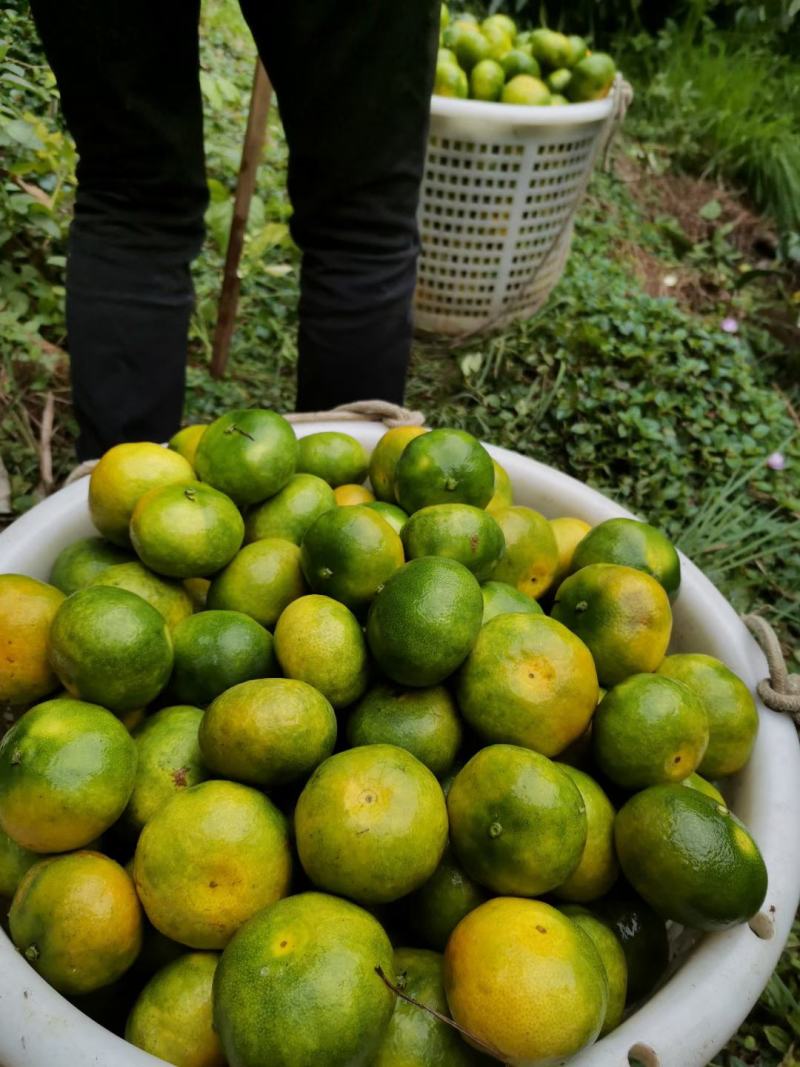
{"x":623,"y":98}
{"x":391,"y":415}
{"x":781,"y":691}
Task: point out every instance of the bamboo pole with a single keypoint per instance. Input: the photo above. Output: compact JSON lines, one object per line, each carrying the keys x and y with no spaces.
{"x":254,"y":139}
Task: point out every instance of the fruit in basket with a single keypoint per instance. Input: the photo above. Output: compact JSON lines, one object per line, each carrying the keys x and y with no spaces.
{"x":249,"y":455}
{"x":516,"y":61}
{"x":526,"y":980}
{"x":268,"y":732}
{"x":384,"y":459}
{"x":186,"y":440}
{"x":598,"y":869}
{"x":558,"y":80}
{"x":500,"y":41}
{"x":168,"y":761}
{"x":500,"y":598}
{"x":371,"y":824}
{"x":690,"y":858}
{"x":214,"y":854}
{"x":172,"y":1016}
{"x":169,"y":598}
{"x":110,"y":647}
{"x":503,"y":495}
{"x":531,"y":557}
{"x":517,"y":821}
{"x":67,"y":769}
{"x":208,"y":860}
{"x":15,"y":862}
{"x":649,"y":730}
{"x":215,"y":650}
{"x":415,"y":1036}
{"x":349,"y":554}
{"x":577,"y":49}
{"x":261,"y":580}
{"x":456,"y":531}
{"x":469,"y":45}
{"x":729,"y":704}
{"x":424,"y":621}
{"x":524,"y":89}
{"x":394,"y":515}
{"x":77,"y":921}
{"x":157,"y":950}
{"x":425,"y":722}
{"x":450,"y":80}
{"x":632,"y":544}
{"x":541,"y":54}
{"x":504,"y":23}
{"x":643,"y":937}
{"x":298,"y":985}
{"x":612,"y":955}
{"x":186,"y":531}
{"x":437,"y":907}
{"x":27,"y":610}
{"x":319,"y":641}
{"x":694,"y":781}
{"x":622,"y":614}
{"x":289,"y":513}
{"x":550,"y":48}
{"x":197,"y":588}
{"x":125,"y":473}
{"x":592,"y":77}
{"x":337,"y":458}
{"x":568,"y":532}
{"x":486,"y":80}
{"x":351,"y":495}
{"x":578,"y":752}
{"x":443,"y":467}
{"x":528,"y":681}
{"x":81,"y":561}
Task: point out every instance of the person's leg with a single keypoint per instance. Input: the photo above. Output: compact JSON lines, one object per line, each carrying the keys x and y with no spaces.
{"x":128,"y":74}
{"x":353,"y":83}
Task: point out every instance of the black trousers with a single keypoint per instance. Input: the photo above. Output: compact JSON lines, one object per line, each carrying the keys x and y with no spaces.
{"x":353,"y":82}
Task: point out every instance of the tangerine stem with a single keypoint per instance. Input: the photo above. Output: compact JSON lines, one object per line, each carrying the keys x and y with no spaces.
{"x":482,"y":1045}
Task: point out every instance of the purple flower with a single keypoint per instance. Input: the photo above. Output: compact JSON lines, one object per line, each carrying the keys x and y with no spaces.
{"x":776,"y":461}
{"x":729,"y":325}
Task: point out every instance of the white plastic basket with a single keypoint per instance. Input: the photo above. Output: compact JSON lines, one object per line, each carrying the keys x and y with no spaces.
{"x":717,"y":979}
{"x":499,"y":194}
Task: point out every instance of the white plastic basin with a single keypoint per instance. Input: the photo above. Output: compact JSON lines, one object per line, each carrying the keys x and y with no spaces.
{"x":691,"y":1017}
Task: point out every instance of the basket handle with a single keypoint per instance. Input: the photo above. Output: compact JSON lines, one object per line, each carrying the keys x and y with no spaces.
{"x":623,"y":98}
{"x":391,"y":415}
{"x":781,"y":691}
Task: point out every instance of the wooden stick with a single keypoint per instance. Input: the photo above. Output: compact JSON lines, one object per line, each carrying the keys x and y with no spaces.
{"x":254,"y":139}
{"x":45,"y":444}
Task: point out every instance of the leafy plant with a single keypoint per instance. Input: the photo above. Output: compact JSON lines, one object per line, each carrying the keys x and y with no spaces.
{"x":726,"y":107}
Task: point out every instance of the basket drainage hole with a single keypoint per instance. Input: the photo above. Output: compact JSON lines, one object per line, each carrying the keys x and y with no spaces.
{"x":642,"y":1056}
{"x":763,"y":925}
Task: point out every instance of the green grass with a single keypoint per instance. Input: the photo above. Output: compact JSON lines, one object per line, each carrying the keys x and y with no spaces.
{"x":727,"y":106}
{"x":642,"y":396}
